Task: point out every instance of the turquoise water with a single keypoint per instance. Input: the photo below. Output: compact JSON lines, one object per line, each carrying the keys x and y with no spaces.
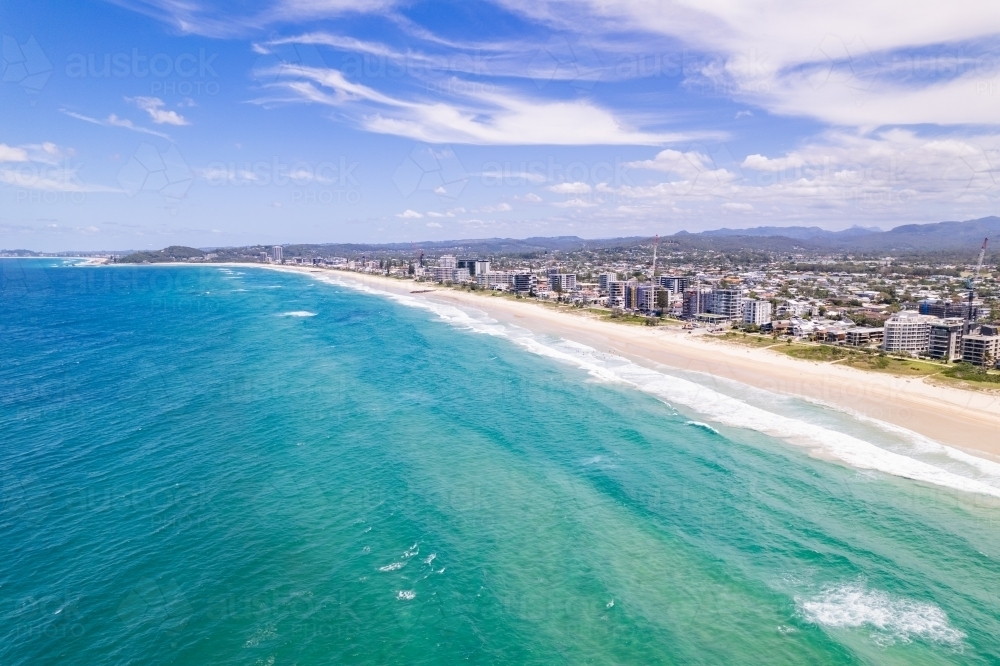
{"x":237,"y":466}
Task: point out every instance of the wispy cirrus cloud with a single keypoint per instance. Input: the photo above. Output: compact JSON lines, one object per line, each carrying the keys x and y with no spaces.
{"x":224,"y":19}
{"x":501,"y":117}
{"x":858,"y":63}
{"x":114,"y":121}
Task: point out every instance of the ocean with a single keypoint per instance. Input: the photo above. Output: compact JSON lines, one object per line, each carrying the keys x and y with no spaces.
{"x":228,"y":465}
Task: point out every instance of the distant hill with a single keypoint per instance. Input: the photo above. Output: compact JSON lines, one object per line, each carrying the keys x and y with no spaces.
{"x":172,"y":253}
{"x":938,"y":237}
{"x":953,"y":240}
{"x":800,"y":233}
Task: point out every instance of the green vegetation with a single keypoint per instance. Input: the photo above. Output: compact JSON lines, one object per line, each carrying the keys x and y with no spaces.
{"x":749,"y":340}
{"x":971,"y":373}
{"x":167,"y":254}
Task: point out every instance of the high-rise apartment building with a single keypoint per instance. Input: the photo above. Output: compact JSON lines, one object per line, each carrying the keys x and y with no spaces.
{"x":727,"y":303}
{"x":908,"y":332}
{"x":946,"y":339}
{"x":756,"y":312}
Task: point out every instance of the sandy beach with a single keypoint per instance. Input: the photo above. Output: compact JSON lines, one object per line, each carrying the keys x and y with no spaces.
{"x":967,"y":419}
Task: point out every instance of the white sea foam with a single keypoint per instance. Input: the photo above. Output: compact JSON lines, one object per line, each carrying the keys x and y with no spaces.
{"x":704,"y":426}
{"x":430,"y":558}
{"x":406,"y":595}
{"x":411,"y":551}
{"x":298,"y":313}
{"x":853,"y":606}
{"x":717,"y":406}
{"x":732,"y":412}
{"x":393,"y":567}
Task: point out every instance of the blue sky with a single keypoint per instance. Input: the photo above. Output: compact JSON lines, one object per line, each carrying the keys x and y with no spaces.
{"x":145,"y":123}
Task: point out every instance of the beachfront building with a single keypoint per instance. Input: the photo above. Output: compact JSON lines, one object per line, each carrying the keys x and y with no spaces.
{"x":447,"y":261}
{"x":695,"y":302}
{"x":756,"y":312}
{"x":728,"y":303}
{"x":562,"y":282}
{"x":494,"y":279}
{"x":603,"y":279}
{"x":982,"y":348}
{"x":276,"y":254}
{"x":946,"y":340}
{"x":444,"y":274}
{"x":908,"y":332}
{"x":646,"y":297}
{"x":640,"y":297}
{"x":862,"y":336}
{"x":616,"y":293}
{"x":524,"y":283}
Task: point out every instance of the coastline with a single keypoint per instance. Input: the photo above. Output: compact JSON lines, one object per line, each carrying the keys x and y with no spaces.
{"x":965,"y":419}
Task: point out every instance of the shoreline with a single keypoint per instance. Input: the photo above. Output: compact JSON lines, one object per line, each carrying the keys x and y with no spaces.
{"x":966,"y":419}
{"x":962,"y":418}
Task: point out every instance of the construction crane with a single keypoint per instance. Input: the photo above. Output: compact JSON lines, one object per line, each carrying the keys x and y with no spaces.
{"x":656,"y":242}
{"x":971,"y":285}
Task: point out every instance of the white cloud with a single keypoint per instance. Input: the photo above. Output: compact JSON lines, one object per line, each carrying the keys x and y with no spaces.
{"x":12,"y":154}
{"x":49,"y":179}
{"x":494,"y":117}
{"x":877,"y":178}
{"x":532,"y":198}
{"x":761,"y":163}
{"x":221,"y":20}
{"x":154,"y":107}
{"x":498,"y":208}
{"x":434,"y":225}
{"x":856,"y":62}
{"x":44,"y":166}
{"x":570,"y":188}
{"x":409,"y":215}
{"x":114,"y":121}
{"x":574,"y":203}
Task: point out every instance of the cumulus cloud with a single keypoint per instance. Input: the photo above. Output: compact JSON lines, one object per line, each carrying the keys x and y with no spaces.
{"x":575,"y":203}
{"x":761,"y":163}
{"x":409,"y":215}
{"x":154,"y":106}
{"x":12,"y":154}
{"x":498,"y":208}
{"x":570,"y":188}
